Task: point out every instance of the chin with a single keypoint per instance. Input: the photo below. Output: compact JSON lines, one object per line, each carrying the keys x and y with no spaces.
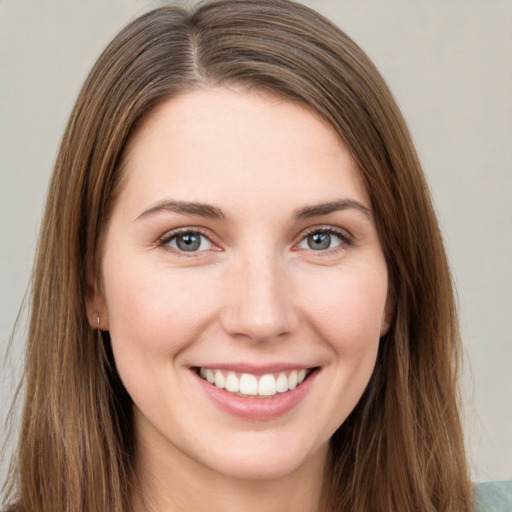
{"x":264,"y":460}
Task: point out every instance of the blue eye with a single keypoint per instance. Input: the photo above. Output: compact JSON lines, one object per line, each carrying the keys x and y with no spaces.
{"x":187,"y":241}
{"x":322,"y":240}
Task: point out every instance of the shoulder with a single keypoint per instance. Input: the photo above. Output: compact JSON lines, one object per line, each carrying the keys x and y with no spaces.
{"x":493,"y":496}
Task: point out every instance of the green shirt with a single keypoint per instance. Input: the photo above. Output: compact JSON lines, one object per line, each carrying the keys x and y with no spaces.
{"x":495,"y":496}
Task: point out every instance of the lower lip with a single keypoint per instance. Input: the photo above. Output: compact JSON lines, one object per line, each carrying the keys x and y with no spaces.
{"x":261,"y":409}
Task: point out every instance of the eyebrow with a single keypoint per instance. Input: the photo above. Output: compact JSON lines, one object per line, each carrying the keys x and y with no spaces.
{"x":212,"y":212}
{"x":185,"y":208}
{"x":332,"y":206}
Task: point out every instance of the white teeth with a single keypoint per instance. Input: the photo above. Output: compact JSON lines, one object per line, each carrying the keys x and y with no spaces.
{"x":282,"y":383}
{"x":232,"y":383}
{"x":292,"y":380}
{"x":248,"y":384}
{"x":220,"y":380}
{"x":267,"y":385}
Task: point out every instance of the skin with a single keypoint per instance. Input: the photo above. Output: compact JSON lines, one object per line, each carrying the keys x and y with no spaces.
{"x":255,"y":293}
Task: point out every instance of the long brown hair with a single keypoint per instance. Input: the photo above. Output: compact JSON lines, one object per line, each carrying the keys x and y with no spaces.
{"x":402,"y":447}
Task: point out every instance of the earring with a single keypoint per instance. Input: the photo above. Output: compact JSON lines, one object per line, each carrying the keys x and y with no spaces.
{"x":98,"y":330}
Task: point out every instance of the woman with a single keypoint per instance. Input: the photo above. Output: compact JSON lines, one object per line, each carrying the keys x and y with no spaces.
{"x":241,"y":297}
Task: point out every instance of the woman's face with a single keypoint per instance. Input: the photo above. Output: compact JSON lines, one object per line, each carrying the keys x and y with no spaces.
{"x":243,"y":284}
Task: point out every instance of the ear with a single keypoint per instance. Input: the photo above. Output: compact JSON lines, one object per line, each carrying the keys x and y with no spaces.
{"x":387,"y":315}
{"x":97,"y":313}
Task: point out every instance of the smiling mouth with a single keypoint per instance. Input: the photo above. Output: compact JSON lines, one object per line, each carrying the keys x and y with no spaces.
{"x":247,"y":384}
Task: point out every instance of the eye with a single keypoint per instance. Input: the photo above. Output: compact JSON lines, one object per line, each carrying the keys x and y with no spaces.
{"x":323,"y":240}
{"x":187,"y":241}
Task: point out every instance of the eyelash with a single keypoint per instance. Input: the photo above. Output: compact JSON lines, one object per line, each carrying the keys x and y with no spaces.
{"x":345,"y":238}
{"x":170,"y":236}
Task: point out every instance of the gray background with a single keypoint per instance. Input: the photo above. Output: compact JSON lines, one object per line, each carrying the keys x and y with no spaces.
{"x":449,"y":66}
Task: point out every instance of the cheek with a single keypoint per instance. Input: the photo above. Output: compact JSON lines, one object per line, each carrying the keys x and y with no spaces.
{"x":346,"y":313}
{"x":348,"y":309}
{"x":153,"y":312}
{"x":154,"y":317}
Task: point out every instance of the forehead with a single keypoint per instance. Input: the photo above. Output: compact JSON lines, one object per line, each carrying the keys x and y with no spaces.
{"x":209,"y":144}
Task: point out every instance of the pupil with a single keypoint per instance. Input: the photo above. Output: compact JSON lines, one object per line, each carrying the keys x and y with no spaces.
{"x":188,"y":242}
{"x":319,"y":241}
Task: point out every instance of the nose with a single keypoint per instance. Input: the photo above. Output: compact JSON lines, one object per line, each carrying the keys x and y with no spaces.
{"x":259,"y":305}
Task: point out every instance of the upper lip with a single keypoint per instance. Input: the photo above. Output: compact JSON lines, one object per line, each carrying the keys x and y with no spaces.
{"x":255,"y":369}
